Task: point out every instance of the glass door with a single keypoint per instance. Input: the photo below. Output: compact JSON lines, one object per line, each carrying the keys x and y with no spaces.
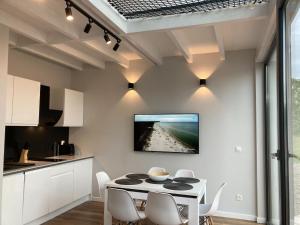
{"x":292,"y":49}
{"x":272,"y":140}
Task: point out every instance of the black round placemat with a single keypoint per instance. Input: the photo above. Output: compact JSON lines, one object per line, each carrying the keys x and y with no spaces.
{"x":178,"y":186}
{"x":137,"y":176}
{"x":167,"y":181}
{"x":128,"y":181}
{"x":187,"y":180}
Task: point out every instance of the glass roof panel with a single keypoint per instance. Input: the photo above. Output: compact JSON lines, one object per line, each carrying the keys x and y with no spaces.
{"x":134,"y":9}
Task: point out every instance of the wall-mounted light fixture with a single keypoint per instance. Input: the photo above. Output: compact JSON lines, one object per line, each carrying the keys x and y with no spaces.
{"x":202,"y":82}
{"x":107,"y":33}
{"x":130,"y":86}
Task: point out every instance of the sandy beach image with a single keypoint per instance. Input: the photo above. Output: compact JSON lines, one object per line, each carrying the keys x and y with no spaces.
{"x":161,"y":139}
{"x":167,"y":133}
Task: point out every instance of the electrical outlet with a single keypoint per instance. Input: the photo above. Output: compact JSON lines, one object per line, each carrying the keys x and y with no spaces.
{"x":239,"y":197}
{"x":238,"y":149}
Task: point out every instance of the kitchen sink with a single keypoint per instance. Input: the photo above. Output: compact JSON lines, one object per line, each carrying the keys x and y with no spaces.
{"x":15,"y":165}
{"x":48,"y":160}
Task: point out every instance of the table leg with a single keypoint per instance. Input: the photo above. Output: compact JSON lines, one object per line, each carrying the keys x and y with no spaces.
{"x":107,"y":216}
{"x":203,"y":199}
{"x":194,"y":212}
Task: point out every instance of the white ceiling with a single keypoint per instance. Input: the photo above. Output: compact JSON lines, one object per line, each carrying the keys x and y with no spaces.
{"x":40,"y":27}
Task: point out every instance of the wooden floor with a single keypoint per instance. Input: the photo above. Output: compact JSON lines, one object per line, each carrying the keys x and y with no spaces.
{"x":91,"y":213}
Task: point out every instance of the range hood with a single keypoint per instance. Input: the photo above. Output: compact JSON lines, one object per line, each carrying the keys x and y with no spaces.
{"x":48,"y":117}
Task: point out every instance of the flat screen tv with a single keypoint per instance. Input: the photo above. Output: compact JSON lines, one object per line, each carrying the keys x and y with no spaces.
{"x":173,"y":133}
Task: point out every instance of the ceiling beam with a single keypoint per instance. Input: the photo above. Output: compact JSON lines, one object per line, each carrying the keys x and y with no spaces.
{"x":147,"y":52}
{"x":67,"y":30}
{"x":197,"y":19}
{"x":220,"y":41}
{"x":84,"y":57}
{"x":13,"y":38}
{"x":179,"y":43}
{"x":119,"y":25}
{"x":107,"y":12}
{"x":41,"y":37}
{"x":107,"y":52}
{"x":57,"y":38}
{"x":41,"y":12}
{"x":267,"y":39}
{"x":21,"y":27}
{"x":53,"y":55}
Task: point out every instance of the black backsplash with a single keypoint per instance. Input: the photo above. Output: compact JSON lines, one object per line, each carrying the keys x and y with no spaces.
{"x":40,"y":139}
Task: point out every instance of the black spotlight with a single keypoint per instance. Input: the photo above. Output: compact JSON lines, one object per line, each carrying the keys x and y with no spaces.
{"x":202,"y":82}
{"x":69,"y":15}
{"x":117,"y":45}
{"x":131,"y":86}
{"x":88,"y":27}
{"x":106,"y":38}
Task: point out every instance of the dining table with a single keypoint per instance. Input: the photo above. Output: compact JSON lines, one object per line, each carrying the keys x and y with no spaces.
{"x":189,"y":194}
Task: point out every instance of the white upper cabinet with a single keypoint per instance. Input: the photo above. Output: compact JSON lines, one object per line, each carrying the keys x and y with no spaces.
{"x":9,"y":98}
{"x":71,"y":102}
{"x":26,"y":102}
{"x":23,"y":102}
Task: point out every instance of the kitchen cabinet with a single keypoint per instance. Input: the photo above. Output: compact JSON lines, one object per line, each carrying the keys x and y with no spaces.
{"x":36,"y":194}
{"x":71,"y":102}
{"x":61,"y":186}
{"x":26,"y":102}
{"x":12,"y":199}
{"x":73,"y":109}
{"x":22,"y":101}
{"x":82,"y":178}
{"x":9,"y":98}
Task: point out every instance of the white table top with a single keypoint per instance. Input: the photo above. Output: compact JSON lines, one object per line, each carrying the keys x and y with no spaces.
{"x":197,"y":190}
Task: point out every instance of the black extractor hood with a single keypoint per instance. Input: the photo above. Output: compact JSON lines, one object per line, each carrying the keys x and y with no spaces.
{"x":48,"y":117}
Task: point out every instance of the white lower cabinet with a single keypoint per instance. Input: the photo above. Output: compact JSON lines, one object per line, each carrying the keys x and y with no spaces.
{"x":50,"y":189}
{"x":82,"y":178}
{"x":61,"y":186}
{"x":36,"y":194}
{"x":12,"y":199}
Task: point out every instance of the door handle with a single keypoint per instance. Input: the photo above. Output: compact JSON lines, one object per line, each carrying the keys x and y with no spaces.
{"x":276,"y":155}
{"x":294,"y":156}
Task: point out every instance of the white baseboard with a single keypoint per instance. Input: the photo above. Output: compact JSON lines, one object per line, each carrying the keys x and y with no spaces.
{"x":239,"y":216}
{"x":59,"y":211}
{"x":261,"y":220}
{"x":96,"y":199}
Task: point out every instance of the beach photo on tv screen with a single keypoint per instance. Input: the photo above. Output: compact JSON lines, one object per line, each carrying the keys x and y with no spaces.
{"x":174,"y":133}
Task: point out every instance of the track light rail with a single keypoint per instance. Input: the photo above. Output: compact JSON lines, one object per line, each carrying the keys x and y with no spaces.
{"x":91,"y":19}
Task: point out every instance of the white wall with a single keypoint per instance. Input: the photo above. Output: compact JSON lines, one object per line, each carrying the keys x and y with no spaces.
{"x":4,"y":40}
{"x":227,"y":113}
{"x":35,"y":68}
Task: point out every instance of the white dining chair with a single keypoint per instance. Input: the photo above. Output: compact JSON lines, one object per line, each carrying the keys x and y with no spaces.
{"x":122,"y":207}
{"x":206,"y":211}
{"x":162,"y":209}
{"x":103,"y":179}
{"x":185,"y":173}
{"x":156,"y":169}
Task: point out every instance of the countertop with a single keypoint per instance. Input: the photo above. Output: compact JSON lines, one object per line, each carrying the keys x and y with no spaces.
{"x":44,"y":164}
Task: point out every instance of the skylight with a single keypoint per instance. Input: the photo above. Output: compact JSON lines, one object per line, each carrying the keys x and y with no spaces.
{"x":134,"y":9}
